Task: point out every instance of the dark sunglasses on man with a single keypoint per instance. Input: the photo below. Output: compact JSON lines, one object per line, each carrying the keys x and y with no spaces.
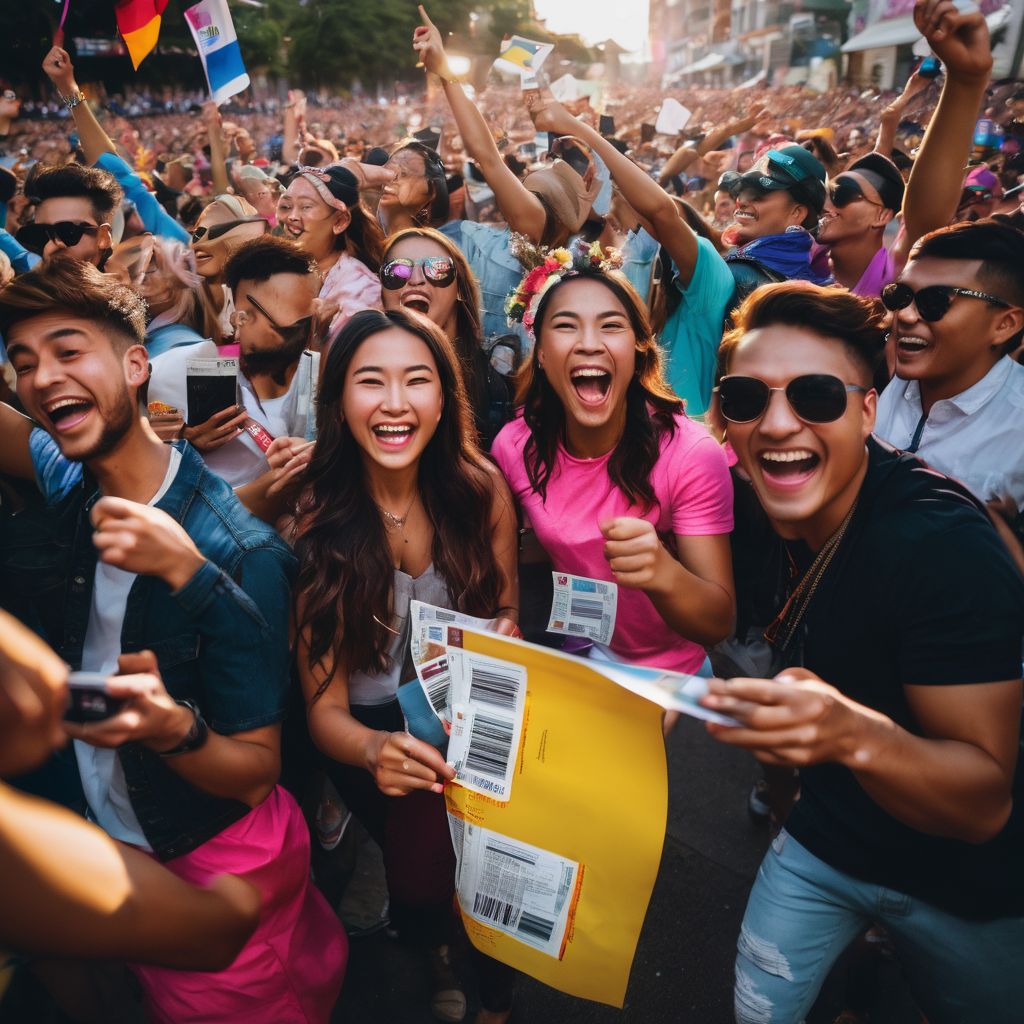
{"x":36,"y":236}
{"x":215,"y":232}
{"x":289,"y":333}
{"x":932,"y":301}
{"x":843,"y":190}
{"x":438,"y":270}
{"x":814,"y":397}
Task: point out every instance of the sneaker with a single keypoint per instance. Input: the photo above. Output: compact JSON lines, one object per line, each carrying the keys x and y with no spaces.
{"x":447,"y":1000}
{"x":757,"y":803}
{"x":332,"y":818}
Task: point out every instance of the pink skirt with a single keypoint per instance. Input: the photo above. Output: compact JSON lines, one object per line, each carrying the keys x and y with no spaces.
{"x":291,"y":970}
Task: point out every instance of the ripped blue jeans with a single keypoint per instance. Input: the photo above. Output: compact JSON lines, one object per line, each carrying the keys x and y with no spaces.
{"x":802,"y":914}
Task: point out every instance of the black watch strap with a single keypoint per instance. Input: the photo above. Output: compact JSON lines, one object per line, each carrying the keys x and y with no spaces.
{"x":195,"y":737}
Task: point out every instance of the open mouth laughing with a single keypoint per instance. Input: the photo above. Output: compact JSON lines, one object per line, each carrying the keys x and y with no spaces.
{"x":787,"y":467}
{"x":591,"y":384}
{"x":393,"y":435}
{"x":416,"y":300}
{"x":67,"y":412}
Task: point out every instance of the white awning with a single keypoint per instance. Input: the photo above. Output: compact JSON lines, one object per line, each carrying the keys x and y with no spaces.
{"x":753,"y":80}
{"x":712,"y":60}
{"x":901,"y":31}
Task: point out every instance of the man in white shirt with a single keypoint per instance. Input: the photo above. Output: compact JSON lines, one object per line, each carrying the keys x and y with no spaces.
{"x":957,"y":399}
{"x":273,"y":284}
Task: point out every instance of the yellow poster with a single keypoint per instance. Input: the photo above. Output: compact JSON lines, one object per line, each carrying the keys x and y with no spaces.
{"x":558,"y":816}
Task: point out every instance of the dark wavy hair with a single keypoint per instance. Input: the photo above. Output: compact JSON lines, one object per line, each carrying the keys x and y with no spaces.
{"x":650,"y":402}
{"x":344,"y":590}
{"x":435,"y":213}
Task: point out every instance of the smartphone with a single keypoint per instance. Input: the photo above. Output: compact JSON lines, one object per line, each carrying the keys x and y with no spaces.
{"x":606,"y":125}
{"x":89,"y":699}
{"x":930,"y":67}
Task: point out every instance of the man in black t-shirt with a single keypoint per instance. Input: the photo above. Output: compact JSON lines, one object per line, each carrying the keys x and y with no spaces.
{"x":903,"y":716}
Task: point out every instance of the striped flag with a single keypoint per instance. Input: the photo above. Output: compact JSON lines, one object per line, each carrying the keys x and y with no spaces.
{"x":138,"y":21}
{"x":212,"y":28}
{"x":522,"y":55}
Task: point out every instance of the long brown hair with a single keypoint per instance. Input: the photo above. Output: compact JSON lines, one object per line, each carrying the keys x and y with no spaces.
{"x":363,"y":238}
{"x":650,"y":403}
{"x":345,"y":582}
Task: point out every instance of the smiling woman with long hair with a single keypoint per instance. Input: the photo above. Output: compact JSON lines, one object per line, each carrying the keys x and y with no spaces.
{"x":617,"y":483}
{"x":400,"y":505}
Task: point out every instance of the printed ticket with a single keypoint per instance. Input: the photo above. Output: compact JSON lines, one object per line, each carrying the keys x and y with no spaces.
{"x":428,"y":635}
{"x":583,"y":607}
{"x":528,"y":893}
{"x":488,"y":698}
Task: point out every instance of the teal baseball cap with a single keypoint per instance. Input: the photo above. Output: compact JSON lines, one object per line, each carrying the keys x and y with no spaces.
{"x":792,"y":169}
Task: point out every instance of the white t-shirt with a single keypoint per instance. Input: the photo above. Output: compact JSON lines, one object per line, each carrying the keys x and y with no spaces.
{"x":103,"y":780}
{"x":240,"y":460}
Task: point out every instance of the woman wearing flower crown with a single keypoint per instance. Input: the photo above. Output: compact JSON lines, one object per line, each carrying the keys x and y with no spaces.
{"x":400,"y":505}
{"x":616,"y":482}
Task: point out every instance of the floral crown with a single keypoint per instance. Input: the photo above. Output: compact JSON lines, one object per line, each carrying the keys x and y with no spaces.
{"x":545,"y":268}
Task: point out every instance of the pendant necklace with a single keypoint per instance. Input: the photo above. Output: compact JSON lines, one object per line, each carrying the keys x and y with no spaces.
{"x":393,"y":522}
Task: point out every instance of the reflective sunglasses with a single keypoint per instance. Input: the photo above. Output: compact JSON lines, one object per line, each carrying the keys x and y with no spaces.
{"x":289,"y":333}
{"x":439,"y":270}
{"x":35,"y":236}
{"x":210,"y":234}
{"x":814,"y":397}
{"x":932,"y":301}
{"x":843,"y":191}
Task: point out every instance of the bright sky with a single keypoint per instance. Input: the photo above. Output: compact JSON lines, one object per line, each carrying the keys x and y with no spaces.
{"x":625,"y":21}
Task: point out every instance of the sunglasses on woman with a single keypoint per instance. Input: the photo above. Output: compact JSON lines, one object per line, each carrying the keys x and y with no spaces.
{"x":843,"y":191}
{"x":210,"y":234}
{"x":932,"y":301}
{"x":439,"y":270}
{"x":814,"y":397}
{"x":35,"y":236}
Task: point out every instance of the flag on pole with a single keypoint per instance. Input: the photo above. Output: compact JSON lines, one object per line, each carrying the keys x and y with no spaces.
{"x":522,"y":56}
{"x":138,"y":21}
{"x":212,"y":28}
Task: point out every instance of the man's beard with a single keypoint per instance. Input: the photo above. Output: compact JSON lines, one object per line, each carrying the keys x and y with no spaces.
{"x":116,"y":424}
{"x":273,"y":362}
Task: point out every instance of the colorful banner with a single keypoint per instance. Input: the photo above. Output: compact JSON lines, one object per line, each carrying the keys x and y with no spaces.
{"x":214,"y":33}
{"x":138,"y":21}
{"x":522,"y":56}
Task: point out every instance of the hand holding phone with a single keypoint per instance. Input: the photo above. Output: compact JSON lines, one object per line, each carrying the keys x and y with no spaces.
{"x":89,"y":698}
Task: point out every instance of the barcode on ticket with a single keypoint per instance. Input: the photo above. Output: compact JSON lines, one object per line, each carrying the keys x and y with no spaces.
{"x":583,"y":607}
{"x":490,"y":685}
{"x":490,"y":746}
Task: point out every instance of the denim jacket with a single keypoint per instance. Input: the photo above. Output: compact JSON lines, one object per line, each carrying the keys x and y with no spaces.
{"x":221,"y":640}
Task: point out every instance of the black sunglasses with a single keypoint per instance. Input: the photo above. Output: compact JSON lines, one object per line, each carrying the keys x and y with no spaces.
{"x":222,"y":229}
{"x":843,"y":191}
{"x":932,"y":301}
{"x":288,"y":332}
{"x":36,"y":236}
{"x":814,"y":397}
{"x":439,"y":270}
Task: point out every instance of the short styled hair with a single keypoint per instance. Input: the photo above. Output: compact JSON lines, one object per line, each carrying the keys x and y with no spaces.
{"x":73,"y":181}
{"x":65,"y":285}
{"x":1000,"y":248}
{"x":265,"y":257}
{"x":859,"y":324}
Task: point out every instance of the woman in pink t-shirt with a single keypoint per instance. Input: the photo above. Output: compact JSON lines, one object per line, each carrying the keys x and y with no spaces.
{"x":616,"y":482}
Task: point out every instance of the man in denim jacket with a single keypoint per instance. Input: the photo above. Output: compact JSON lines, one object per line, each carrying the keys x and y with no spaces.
{"x":175,"y":586}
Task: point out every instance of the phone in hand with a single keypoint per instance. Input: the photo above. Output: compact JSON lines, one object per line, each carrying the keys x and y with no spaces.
{"x":89,"y":698}
{"x":930,"y":67}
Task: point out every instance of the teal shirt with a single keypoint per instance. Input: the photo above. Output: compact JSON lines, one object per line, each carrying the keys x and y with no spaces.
{"x":693,"y":332}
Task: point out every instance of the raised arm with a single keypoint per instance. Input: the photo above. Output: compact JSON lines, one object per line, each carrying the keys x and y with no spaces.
{"x":522,"y":210}
{"x":294,"y":125}
{"x":961,"y":42}
{"x":686,"y":155}
{"x":94,"y":140}
{"x":641,"y":191}
{"x":890,"y":118}
{"x":218,"y":158}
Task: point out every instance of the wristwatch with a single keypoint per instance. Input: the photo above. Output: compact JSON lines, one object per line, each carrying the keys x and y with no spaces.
{"x":197,"y":735}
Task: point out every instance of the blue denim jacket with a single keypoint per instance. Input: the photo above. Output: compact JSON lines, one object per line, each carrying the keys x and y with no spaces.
{"x":221,"y":640}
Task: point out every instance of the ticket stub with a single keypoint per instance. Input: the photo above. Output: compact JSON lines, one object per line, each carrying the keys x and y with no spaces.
{"x":519,"y":889}
{"x":583,"y":607}
{"x":428,"y":633}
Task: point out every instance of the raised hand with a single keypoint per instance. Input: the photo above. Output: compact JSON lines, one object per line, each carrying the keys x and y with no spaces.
{"x":427,"y":43}
{"x":59,"y":69}
{"x":960,"y":41}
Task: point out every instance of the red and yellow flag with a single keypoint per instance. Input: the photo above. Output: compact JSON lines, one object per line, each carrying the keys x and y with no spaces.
{"x":138,"y":21}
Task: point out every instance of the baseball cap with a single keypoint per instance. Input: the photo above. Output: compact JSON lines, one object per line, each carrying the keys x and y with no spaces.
{"x":884,"y":176}
{"x":792,"y":169}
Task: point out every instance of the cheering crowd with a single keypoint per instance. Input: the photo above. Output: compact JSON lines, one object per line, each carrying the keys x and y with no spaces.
{"x":763,"y":377}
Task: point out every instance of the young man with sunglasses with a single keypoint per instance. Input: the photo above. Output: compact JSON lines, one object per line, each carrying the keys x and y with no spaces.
{"x":870,"y":193}
{"x":901,"y":708}
{"x":274,"y":285}
{"x":957,"y":399}
{"x":74,"y":207}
